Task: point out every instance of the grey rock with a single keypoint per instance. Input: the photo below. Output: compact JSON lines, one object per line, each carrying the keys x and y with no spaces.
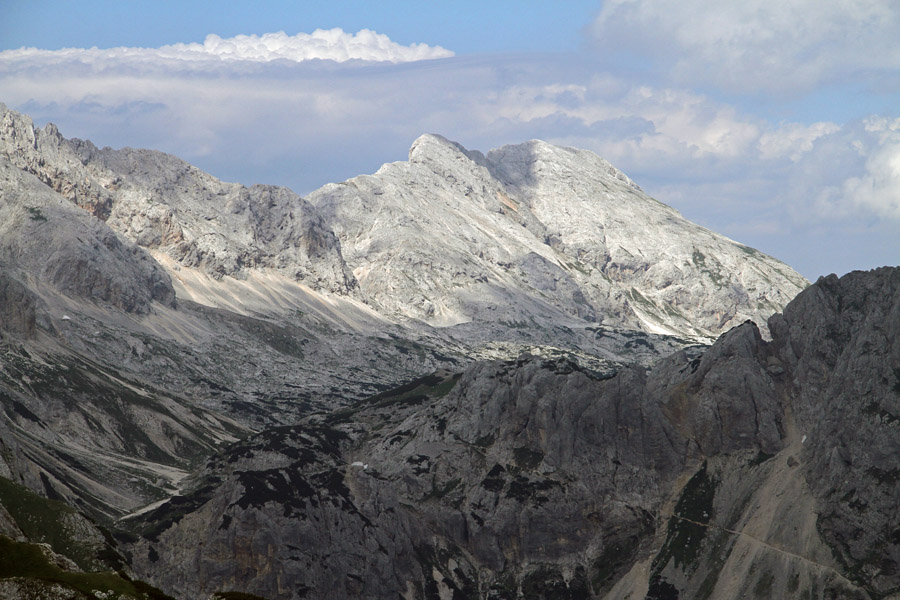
{"x":17,"y":305}
{"x":540,"y":232}
{"x":162,"y":203}
{"x":709,"y":475}
{"x":562,"y":473}
{"x":63,"y":246}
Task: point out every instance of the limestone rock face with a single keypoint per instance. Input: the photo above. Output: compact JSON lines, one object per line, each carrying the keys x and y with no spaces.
{"x":536,"y":231}
{"x":223,"y":229}
{"x":232,"y":438}
{"x":839,"y":343}
{"x":17,"y":305}
{"x":162,"y":203}
{"x":60,"y":244}
{"x":750,"y":466}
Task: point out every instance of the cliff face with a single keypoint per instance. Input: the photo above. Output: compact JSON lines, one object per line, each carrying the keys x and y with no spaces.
{"x":754,"y":467}
{"x":63,"y":247}
{"x":165,"y":205}
{"x":529,"y":236}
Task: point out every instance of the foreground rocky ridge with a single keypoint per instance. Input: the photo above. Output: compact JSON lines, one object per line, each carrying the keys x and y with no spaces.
{"x":752,"y":469}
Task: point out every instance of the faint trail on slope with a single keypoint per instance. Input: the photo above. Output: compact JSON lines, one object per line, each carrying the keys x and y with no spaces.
{"x":755,"y":539}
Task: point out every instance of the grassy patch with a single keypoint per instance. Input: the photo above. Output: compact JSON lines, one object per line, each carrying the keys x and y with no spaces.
{"x":44,"y":521}
{"x":760,"y":458}
{"x":35,"y":214}
{"x":700,"y":261}
{"x":415,"y":392}
{"x":526,"y":458}
{"x":617,"y":556}
{"x":19,"y":559}
{"x":548,"y":582}
{"x":235,"y":596}
{"x":439,"y":491}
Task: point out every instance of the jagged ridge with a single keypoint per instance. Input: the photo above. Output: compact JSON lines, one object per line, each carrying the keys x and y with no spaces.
{"x":755,"y":465}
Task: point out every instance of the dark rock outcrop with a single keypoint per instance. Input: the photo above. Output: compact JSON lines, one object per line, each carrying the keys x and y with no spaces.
{"x":754,"y":466}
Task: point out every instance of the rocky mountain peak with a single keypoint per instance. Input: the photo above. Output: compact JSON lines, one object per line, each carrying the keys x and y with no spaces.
{"x":558,"y":226}
{"x":164,"y":204}
{"x":452,"y":379}
{"x":527,"y":163}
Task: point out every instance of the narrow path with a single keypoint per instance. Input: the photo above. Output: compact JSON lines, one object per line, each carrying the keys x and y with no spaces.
{"x":743,"y":534}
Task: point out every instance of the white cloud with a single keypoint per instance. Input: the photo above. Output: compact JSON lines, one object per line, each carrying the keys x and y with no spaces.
{"x":331,"y":44}
{"x":753,"y":45}
{"x":793,"y":140}
{"x":878,"y":188}
{"x":305,"y":123}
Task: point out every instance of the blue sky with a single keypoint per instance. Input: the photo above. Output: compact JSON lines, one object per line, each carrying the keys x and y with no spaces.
{"x":777,"y":124}
{"x":470,"y":27}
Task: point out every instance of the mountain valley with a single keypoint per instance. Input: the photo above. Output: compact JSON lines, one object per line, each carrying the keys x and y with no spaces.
{"x":467,"y":375}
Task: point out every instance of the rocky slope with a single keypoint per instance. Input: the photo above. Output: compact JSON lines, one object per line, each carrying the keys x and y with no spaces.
{"x":164,"y":204}
{"x":263,"y":270}
{"x":256,"y":268}
{"x":530,"y":237}
{"x":538,"y":234}
{"x":752,"y":469}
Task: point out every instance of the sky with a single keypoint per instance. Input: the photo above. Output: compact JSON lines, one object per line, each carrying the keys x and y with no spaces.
{"x":776,"y":124}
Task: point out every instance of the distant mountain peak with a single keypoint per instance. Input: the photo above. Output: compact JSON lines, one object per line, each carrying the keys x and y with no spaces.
{"x":446,"y":237}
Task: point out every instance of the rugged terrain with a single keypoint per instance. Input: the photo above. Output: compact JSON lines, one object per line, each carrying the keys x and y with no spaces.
{"x":530,"y":237}
{"x":752,"y":469}
{"x":200,"y":380}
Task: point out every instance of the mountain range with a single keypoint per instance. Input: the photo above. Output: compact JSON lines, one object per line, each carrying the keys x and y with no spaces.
{"x":466,"y":375}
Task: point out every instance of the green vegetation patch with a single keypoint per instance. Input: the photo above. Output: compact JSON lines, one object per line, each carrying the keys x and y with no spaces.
{"x":20,"y":559}
{"x":35,"y":214}
{"x":760,"y":458}
{"x":700,"y":261}
{"x":235,"y":596}
{"x":43,"y":521}
{"x":660,"y":589}
{"x":616,"y":558}
{"x":547,"y":582}
{"x":526,"y":458}
{"x":416,"y":392}
{"x":523,"y":489}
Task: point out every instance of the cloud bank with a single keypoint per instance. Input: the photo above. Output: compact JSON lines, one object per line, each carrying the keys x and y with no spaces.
{"x":331,"y":44}
{"x":754,"y":45}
